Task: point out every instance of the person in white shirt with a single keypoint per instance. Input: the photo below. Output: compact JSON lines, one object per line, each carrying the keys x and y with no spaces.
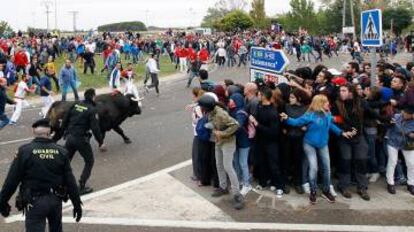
{"x":115,"y":78}
{"x":357,"y":52}
{"x":152,"y":67}
{"x":19,"y":98}
{"x":221,"y":56}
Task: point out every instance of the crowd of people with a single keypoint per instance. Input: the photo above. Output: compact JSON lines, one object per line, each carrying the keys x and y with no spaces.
{"x":306,"y":127}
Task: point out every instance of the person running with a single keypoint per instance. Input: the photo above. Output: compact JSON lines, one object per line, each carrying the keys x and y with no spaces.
{"x":153,"y":70}
{"x":46,"y":92}
{"x":19,"y":97}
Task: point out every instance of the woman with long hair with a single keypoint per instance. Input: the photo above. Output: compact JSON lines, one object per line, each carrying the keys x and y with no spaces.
{"x":319,"y":123}
{"x":350,"y":110}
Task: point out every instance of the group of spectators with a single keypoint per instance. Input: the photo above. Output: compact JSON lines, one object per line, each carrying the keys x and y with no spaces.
{"x":306,"y":127}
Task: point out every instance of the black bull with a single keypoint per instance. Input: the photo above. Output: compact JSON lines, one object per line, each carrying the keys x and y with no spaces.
{"x":112,"y":111}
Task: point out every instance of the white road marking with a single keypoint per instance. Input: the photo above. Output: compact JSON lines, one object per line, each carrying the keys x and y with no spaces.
{"x":242,"y":226}
{"x":15,"y":141}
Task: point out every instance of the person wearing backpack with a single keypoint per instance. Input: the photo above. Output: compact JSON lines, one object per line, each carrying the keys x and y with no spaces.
{"x":241,"y":155}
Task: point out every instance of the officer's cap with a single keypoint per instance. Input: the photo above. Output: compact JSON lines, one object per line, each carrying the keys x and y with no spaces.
{"x":44,"y":122}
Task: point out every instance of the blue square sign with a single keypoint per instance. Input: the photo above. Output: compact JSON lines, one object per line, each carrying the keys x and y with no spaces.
{"x":371,"y":28}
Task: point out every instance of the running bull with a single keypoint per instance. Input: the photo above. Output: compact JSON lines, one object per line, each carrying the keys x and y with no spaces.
{"x":112,"y":110}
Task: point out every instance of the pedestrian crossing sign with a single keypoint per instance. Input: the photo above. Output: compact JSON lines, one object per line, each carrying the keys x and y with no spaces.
{"x":371,"y":28}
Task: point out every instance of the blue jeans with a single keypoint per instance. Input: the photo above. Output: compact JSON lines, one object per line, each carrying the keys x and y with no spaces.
{"x":72,"y":85}
{"x":241,"y":156}
{"x":313,"y":154}
{"x":4,"y":120}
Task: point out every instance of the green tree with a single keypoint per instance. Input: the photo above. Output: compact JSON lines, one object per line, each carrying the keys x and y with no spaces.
{"x":400,"y":17}
{"x":214,"y":15}
{"x":235,"y":20}
{"x":123,"y":26}
{"x":301,"y":15}
{"x":5,"y":28}
{"x":258,"y":14}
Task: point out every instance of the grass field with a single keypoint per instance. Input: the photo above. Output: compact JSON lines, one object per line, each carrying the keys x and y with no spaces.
{"x":99,"y":80}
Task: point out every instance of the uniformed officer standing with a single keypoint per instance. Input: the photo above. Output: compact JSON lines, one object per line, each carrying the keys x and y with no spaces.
{"x":77,"y":123}
{"x":43,"y":171}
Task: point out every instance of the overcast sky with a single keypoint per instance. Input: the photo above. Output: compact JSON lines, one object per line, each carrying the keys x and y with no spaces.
{"x":92,"y":13}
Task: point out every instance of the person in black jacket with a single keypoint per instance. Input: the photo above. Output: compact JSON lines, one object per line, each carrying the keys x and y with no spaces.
{"x":77,"y":123}
{"x":350,"y":113}
{"x":4,"y":99}
{"x":267,"y":135}
{"x":89,"y":61}
{"x":43,"y":171}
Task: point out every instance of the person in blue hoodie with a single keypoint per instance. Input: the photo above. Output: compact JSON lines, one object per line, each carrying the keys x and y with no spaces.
{"x":319,"y":123}
{"x":241,"y":155}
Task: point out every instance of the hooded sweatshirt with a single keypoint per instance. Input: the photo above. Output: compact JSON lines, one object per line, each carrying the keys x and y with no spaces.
{"x":238,"y":113}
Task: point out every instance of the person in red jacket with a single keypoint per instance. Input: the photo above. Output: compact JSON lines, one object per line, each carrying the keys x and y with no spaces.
{"x":191,"y":54}
{"x":204,"y":55}
{"x":21,"y":60}
{"x":182,"y":55}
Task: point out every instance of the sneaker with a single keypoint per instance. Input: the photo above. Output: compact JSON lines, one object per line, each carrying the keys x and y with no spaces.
{"x":374,"y":177}
{"x":410,"y":189}
{"x":245,"y":190}
{"x":312,"y":197}
{"x":391,"y":189}
{"x":332,"y":191}
{"x":346,"y":193}
{"x":146,"y":88}
{"x":279,"y":193}
{"x":306,"y":188}
{"x":259,"y":187}
{"x":238,"y":203}
{"x":364,"y":194}
{"x":299,"y":190}
{"x":12,"y":123}
{"x":286,"y":189}
{"x":328,"y":196}
{"x":220,"y":192}
{"x":272,"y":188}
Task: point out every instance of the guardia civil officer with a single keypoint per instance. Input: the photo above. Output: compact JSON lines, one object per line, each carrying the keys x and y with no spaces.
{"x":77,"y":123}
{"x":43,"y":171}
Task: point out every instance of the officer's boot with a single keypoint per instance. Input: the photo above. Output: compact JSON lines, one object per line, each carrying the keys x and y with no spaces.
{"x":83,"y":189}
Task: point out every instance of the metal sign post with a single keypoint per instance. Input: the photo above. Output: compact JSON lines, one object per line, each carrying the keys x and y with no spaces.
{"x":371,"y":36}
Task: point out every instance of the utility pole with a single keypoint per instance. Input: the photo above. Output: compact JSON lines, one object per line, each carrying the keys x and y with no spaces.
{"x":351,"y":3}
{"x":74,"y":15}
{"x":146,"y":18}
{"x":56,"y":16}
{"x":47,"y":5}
{"x":344,"y":15}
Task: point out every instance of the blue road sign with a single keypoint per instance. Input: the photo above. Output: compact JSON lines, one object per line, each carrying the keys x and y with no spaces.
{"x":268,"y":60}
{"x":371,"y":28}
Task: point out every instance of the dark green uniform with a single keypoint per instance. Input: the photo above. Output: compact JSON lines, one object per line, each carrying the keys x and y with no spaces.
{"x":43,"y":171}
